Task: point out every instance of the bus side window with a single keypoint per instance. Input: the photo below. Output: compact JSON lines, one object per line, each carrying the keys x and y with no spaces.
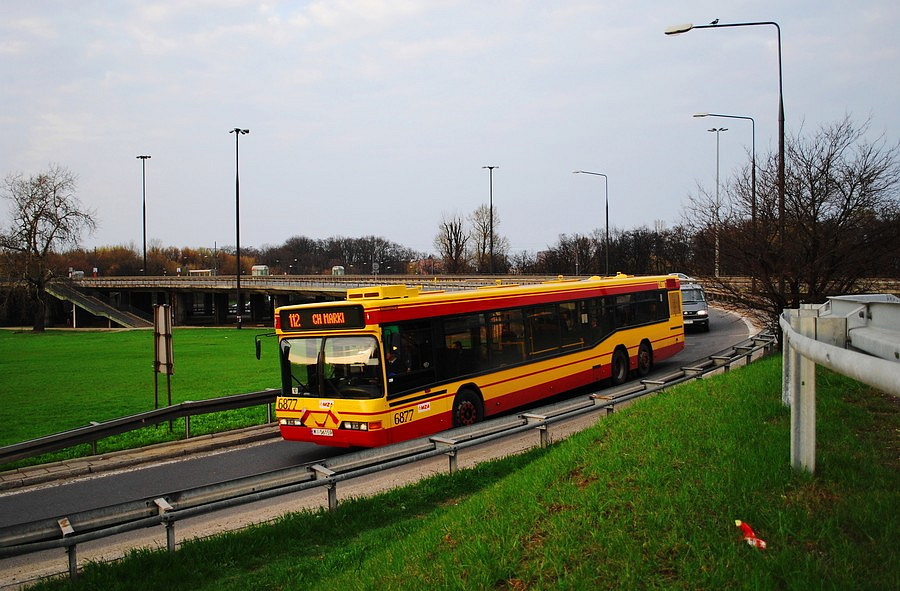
{"x":507,"y":337}
{"x":464,"y":349}
{"x":478,"y":332}
{"x":570,"y":325}
{"x":452,"y":365}
{"x":411,"y":343}
{"x":543,"y":327}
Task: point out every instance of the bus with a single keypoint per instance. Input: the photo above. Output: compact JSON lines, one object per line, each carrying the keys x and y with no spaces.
{"x":391,"y":363}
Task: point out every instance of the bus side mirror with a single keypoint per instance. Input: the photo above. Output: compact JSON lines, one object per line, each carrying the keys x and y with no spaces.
{"x":259,"y":342}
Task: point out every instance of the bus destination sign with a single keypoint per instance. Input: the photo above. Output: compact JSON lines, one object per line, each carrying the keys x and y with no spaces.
{"x":301,"y":319}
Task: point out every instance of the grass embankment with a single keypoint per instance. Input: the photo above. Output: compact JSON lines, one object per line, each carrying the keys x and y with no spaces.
{"x":645,"y":499}
{"x":59,"y":380}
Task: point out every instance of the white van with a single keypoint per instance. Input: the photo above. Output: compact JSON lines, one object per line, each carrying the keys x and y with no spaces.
{"x":693,"y":303}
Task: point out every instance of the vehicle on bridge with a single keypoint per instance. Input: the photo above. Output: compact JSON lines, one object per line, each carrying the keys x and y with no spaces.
{"x":392,"y":363}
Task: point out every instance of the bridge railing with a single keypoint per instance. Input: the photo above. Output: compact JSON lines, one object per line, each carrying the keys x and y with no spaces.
{"x":293,"y":282}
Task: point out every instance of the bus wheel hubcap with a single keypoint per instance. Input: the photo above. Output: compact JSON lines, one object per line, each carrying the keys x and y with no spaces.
{"x":466,"y":413}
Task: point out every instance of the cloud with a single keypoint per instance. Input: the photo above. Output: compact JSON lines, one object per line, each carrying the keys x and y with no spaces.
{"x":384,"y":106}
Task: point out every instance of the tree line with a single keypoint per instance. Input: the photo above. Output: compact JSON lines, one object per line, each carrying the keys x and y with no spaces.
{"x":841,"y":227}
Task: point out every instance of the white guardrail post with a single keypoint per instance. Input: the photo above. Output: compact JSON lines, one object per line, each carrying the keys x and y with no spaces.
{"x":802,"y":389}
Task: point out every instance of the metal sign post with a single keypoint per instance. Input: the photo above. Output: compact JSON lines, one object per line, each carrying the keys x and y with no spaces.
{"x":164,"y":362}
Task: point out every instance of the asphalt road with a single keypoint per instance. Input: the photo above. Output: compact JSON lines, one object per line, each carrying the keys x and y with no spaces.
{"x":152,"y":481}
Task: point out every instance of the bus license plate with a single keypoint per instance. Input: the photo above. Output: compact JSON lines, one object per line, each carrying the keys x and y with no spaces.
{"x":323,"y":432}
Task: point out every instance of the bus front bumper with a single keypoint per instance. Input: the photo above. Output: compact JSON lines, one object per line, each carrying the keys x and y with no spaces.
{"x":333,"y":437}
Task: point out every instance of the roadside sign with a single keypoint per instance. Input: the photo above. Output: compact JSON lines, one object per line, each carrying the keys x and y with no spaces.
{"x":164,"y":361}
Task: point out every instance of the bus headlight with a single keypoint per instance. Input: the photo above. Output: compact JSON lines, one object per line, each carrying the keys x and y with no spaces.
{"x":290,"y":422}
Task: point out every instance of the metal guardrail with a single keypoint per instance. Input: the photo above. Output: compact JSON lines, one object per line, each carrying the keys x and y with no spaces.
{"x":96,"y":431}
{"x":94,"y":524}
{"x":809,"y":340}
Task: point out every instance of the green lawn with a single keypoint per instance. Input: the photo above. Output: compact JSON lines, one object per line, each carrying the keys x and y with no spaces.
{"x":646,"y":499}
{"x":60,"y":379}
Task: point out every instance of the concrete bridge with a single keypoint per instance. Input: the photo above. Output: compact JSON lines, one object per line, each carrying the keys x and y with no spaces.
{"x":212,"y":299}
{"x":129,"y":301}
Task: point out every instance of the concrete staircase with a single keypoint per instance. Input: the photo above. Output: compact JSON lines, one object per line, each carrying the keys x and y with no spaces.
{"x":64,"y":290}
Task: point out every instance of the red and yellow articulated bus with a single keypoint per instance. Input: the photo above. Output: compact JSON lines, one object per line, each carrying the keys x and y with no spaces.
{"x":392,"y":363}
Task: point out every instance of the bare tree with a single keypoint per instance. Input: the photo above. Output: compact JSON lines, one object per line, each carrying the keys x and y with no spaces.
{"x":451,"y":242}
{"x":523,"y":262}
{"x":842,"y":223}
{"x":843,"y":198}
{"x":480,"y":237}
{"x":45,"y":215}
{"x":480,"y":241}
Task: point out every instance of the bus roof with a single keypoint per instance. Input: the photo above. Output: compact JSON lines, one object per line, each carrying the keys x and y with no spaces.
{"x":394,"y":303}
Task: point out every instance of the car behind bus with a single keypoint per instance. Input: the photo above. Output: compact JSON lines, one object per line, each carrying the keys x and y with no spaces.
{"x":694,"y":305}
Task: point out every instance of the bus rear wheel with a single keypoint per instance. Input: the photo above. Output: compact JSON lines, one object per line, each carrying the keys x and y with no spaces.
{"x":619,"y":367}
{"x":467,"y":408}
{"x":645,"y":359}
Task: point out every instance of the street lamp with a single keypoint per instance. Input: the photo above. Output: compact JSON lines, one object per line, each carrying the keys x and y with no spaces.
{"x":752,"y":174}
{"x":677,"y":30}
{"x":143,"y":160}
{"x":238,"y":132}
{"x":491,"y":215}
{"x":606,"y":183}
{"x":752,"y":159}
{"x":717,"y":131}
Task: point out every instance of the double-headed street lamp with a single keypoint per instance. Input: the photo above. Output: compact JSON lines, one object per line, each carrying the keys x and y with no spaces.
{"x":606,"y":184}
{"x":491,"y":214}
{"x":143,"y":160}
{"x":752,"y":159}
{"x":717,"y":131}
{"x":238,"y":132}
{"x":677,"y":30}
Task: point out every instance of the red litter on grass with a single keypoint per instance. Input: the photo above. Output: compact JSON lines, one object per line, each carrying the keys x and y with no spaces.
{"x":749,"y":535}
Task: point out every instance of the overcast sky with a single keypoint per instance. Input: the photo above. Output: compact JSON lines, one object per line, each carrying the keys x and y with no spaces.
{"x":375,"y":117}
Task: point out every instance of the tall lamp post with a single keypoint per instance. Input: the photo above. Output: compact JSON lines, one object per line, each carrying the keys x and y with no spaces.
{"x":752,"y":159}
{"x":143,"y":160}
{"x":238,"y":132}
{"x":752,"y":173}
{"x":491,"y":215}
{"x":717,"y":131}
{"x":677,"y":30}
{"x":606,"y":183}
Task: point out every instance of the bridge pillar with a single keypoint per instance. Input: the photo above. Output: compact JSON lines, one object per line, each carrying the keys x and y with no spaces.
{"x":282,"y":299}
{"x":221,"y":307}
{"x":259,"y":307}
{"x":180,"y":305}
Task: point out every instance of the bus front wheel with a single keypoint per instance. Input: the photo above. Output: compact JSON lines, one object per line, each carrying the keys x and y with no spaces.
{"x":467,"y":408}
{"x":619,"y":367}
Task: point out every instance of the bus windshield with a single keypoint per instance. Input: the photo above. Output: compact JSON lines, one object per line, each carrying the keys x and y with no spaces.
{"x":332,"y":367}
